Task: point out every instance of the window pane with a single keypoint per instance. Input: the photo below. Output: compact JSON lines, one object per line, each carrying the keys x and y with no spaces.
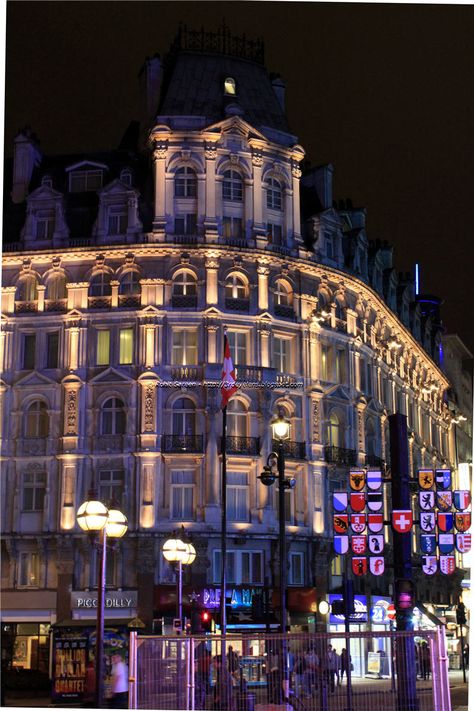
{"x":103,"y":347}
{"x":53,"y":350}
{"x":29,"y":347}
{"x":126,"y":346}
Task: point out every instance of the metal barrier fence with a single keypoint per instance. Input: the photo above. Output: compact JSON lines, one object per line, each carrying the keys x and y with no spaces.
{"x":393,"y":671}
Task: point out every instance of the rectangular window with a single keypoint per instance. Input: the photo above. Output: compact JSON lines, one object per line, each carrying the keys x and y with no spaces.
{"x":117,"y":220}
{"x":369,"y":390}
{"x":29,"y":349}
{"x":103,"y":347}
{"x":336,"y":565}
{"x":296,"y":572}
{"x":85,"y":180}
{"x":238,"y":347}
{"x":326,"y":363}
{"x":242,"y":567}
{"x":111,"y":485}
{"x":237,"y":496}
{"x":232,"y":227}
{"x":52,"y":358}
{"x":282,"y":354}
{"x":185,"y":225}
{"x":340,"y":366}
{"x":28,"y":570}
{"x":362,"y":375}
{"x":44,"y":224}
{"x":126,"y":346}
{"x":274,"y":233}
{"x":184,"y":349}
{"x":182,"y":494}
{"x":34,"y":489}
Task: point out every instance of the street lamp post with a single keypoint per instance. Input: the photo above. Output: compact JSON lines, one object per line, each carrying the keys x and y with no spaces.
{"x":281,"y":432}
{"x":179,"y":552}
{"x":95,"y":518}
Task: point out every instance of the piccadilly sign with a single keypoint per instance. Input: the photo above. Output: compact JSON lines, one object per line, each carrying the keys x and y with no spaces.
{"x":126,"y":600}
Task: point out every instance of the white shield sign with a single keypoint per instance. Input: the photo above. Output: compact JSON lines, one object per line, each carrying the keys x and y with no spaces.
{"x":377,"y":565}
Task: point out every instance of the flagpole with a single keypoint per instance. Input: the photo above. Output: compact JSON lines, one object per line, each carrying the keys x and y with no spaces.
{"x":223,"y":528}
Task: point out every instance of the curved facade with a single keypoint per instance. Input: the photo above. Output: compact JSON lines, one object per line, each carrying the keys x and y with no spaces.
{"x":112,"y":352}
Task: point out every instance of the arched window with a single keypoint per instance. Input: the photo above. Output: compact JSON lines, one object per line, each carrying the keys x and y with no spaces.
{"x":100,"y":285}
{"x":56,"y":287}
{"x":185,"y":183}
{"x":236,"y":418}
{"x":130,"y":284}
{"x":283,"y":294}
{"x":274,"y":195}
{"x":232,"y":186}
{"x":27,"y":288}
{"x":184,"y":417}
{"x":36,"y":420}
{"x":184,"y":292}
{"x":229,"y":86}
{"x":113,"y":417}
{"x":236,"y":287}
{"x":333,"y":431}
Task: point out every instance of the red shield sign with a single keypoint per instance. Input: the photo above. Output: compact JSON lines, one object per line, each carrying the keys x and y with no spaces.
{"x":462,"y":521}
{"x":359,"y":566}
{"x":402,"y":521}
{"x":463,"y":542}
{"x":358,"y":502}
{"x":447,"y":564}
{"x":359,"y":544}
{"x":375,"y":522}
{"x":358,"y":523}
{"x":377,"y":565}
{"x":341,"y":523}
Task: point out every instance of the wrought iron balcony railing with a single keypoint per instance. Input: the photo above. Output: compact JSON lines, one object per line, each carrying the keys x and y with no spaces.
{"x":242,"y":445}
{"x":109,"y":443}
{"x":184,"y":301}
{"x":237,"y":304}
{"x":23,"y":307}
{"x":100,"y":302}
{"x":371,"y":460}
{"x":284,"y":311}
{"x":339,"y":455}
{"x":55,"y":305}
{"x":129,"y":300}
{"x":181,"y":443}
{"x":292,"y":450}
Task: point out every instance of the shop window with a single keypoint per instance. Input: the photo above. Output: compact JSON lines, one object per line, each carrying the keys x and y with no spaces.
{"x":29,"y":351}
{"x":182,"y":495}
{"x":113,"y":417}
{"x":34,"y":489}
{"x":184,"y":349}
{"x":185,"y":183}
{"x":28,"y":570}
{"x":126,"y":346}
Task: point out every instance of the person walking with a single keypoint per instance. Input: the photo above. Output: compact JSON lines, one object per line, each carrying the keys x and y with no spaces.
{"x":345,"y":661}
{"x":119,"y":698}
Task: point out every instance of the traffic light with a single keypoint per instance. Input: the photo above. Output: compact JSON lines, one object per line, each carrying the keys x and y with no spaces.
{"x":461,"y":614}
{"x":206,"y":621}
{"x":404,"y":594}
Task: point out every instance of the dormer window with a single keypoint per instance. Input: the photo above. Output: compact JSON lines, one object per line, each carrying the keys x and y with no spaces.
{"x":44,"y":224}
{"x":126,"y":176}
{"x":47,"y":181}
{"x":81,"y":181}
{"x":229,"y":87}
{"x":117,"y":220}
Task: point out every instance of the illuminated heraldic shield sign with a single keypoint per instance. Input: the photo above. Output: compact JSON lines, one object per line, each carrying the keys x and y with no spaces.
{"x":359,"y":566}
{"x":430,"y":564}
{"x":375,"y":522}
{"x":341,"y":544}
{"x":376,"y":543}
{"x":446,"y":564}
{"x":377,"y":565}
{"x":425,"y":478}
{"x":341,"y":523}
{"x":358,"y":523}
{"x":426,"y":500}
{"x":358,"y":502}
{"x":402,"y":521}
{"x":374,"y":500}
{"x":462,"y":522}
{"x":359,"y":544}
{"x":427,"y":543}
{"x":443,"y":478}
{"x":357,"y":479}
{"x":374,"y":480}
{"x":339,"y":499}
{"x":427,"y":521}
{"x":445,"y":522}
{"x":462,"y":499}
{"x":446,"y":542}
{"x":444,"y":500}
{"x":463,"y":542}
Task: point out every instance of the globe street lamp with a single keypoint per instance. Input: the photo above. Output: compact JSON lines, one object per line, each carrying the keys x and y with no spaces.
{"x":95,"y":518}
{"x":179,"y":552}
{"x":280,"y":431}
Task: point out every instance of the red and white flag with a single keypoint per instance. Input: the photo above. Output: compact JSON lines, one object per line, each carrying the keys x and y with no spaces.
{"x":228,"y":387}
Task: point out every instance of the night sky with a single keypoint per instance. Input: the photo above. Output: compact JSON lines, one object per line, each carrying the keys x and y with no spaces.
{"x":383,"y":92}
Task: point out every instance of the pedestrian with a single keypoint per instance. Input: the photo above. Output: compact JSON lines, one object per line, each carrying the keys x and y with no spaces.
{"x":233,"y":660}
{"x":345,"y":661}
{"x":119,"y":698}
{"x":311,"y":671}
{"x":466,"y":655}
{"x":332,"y":664}
{"x":299,"y":670}
{"x":203,"y":671}
{"x":425,"y":661}
{"x":223,"y":689}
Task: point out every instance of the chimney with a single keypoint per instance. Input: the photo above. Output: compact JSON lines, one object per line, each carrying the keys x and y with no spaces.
{"x":320,"y":179}
{"x":279,"y":87}
{"x":150,"y":77}
{"x":26,"y":155}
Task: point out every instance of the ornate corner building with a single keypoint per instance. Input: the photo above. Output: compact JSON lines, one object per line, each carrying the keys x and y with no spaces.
{"x":120,"y":270}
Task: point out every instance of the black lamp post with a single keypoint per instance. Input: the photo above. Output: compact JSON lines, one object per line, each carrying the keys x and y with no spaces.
{"x":281,"y":432}
{"x":95,"y":518}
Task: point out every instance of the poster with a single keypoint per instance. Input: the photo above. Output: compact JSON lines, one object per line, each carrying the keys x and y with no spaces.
{"x":69,"y":668}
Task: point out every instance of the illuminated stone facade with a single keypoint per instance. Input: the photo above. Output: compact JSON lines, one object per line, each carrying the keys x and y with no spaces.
{"x":113,"y":325}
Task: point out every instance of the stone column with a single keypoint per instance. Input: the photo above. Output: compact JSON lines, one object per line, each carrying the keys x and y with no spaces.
{"x":159,"y":159}
{"x":263,"y":273}
{"x":314,"y":353}
{"x":114,"y":284}
{"x":296,"y":174}
{"x":212,"y":293}
{"x":264,"y":333}
{"x":210,"y":220}
{"x":41,"y":292}
{"x":212,"y":329}
{"x":69,"y":477}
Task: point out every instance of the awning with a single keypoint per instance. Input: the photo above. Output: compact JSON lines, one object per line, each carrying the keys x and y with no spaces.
{"x":433,"y":618}
{"x":70,"y":622}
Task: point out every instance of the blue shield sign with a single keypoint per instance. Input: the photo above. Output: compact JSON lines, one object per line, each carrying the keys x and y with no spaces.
{"x":443,"y":479}
{"x":426,"y":500}
{"x":445,"y":521}
{"x":446,"y":542}
{"x":374,"y":479}
{"x":462,"y":499}
{"x":339,"y":501}
{"x":341,"y":544}
{"x":427,"y":543}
